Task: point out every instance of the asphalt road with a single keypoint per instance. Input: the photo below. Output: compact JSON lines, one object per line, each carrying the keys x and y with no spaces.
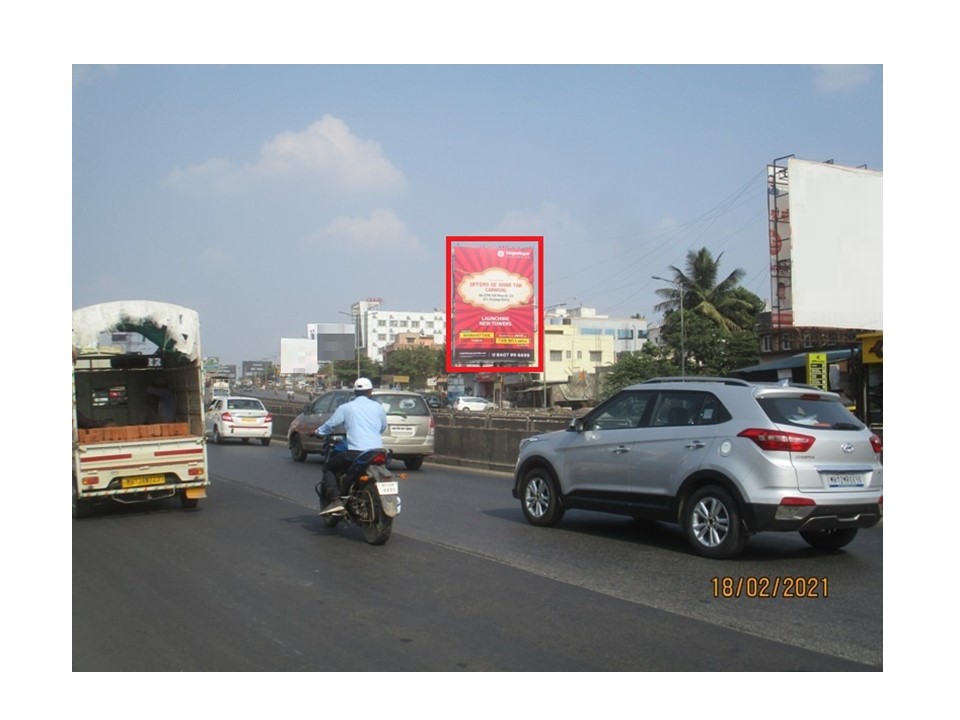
{"x":253,"y":580}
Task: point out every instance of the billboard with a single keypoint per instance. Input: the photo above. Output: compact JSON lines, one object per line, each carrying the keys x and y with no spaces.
{"x":298,"y":356}
{"x":826,"y":245}
{"x":494,"y":296}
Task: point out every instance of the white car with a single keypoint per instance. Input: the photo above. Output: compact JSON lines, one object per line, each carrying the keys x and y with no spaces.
{"x":238,"y":418}
{"x":470,"y":403}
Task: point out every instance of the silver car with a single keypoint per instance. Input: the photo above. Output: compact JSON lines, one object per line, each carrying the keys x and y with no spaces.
{"x":722,"y":457}
{"x":410,"y":425}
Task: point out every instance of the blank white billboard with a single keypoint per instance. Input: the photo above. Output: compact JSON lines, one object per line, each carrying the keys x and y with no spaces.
{"x":298,"y":356}
{"x":836,"y":222}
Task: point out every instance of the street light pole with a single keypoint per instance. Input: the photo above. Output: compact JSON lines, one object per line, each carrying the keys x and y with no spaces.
{"x":683,"y":353}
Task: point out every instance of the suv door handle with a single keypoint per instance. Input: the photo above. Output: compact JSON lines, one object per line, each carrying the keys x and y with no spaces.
{"x":695,"y":445}
{"x":620,"y":449}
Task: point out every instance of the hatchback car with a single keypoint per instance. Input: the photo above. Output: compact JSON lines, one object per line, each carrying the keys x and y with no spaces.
{"x":475,"y":404}
{"x":410,"y":426}
{"x":241,"y":418}
{"x":722,"y":457}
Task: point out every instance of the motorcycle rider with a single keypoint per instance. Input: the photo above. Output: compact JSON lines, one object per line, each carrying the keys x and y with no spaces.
{"x":365,"y":421}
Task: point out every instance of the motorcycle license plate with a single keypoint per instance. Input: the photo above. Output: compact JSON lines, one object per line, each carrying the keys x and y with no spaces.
{"x":388,"y":488}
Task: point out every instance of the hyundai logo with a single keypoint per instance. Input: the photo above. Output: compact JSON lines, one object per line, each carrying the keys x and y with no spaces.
{"x":847,"y":447}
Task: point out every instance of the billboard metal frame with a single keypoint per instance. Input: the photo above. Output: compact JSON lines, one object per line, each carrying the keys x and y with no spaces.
{"x":492,"y":363}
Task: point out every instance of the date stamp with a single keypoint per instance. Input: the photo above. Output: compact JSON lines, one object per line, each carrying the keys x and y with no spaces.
{"x":770,"y":587}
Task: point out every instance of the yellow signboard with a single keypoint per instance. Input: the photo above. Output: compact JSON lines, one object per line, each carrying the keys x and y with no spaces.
{"x":817,"y":371}
{"x":871,"y":347}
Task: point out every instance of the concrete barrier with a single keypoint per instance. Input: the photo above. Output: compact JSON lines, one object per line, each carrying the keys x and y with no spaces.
{"x":488,"y":440}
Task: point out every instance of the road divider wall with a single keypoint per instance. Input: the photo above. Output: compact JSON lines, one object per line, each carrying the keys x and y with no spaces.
{"x":489,"y":440}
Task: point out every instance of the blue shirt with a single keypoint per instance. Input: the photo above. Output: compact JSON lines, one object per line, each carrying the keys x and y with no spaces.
{"x":364,"y":420}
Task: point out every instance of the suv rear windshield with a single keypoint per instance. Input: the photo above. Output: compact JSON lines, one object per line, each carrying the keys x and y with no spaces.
{"x":810,"y":412}
{"x":402,"y":404}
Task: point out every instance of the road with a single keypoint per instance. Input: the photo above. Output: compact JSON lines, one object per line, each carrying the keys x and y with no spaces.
{"x":253,"y":580}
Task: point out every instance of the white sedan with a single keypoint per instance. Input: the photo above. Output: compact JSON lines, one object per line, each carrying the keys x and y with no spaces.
{"x":469,"y":403}
{"x":241,"y":418}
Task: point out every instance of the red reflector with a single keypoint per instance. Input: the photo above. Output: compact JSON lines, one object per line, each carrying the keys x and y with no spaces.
{"x":797,"y":501}
{"x":778,"y":440}
{"x":195,"y":471}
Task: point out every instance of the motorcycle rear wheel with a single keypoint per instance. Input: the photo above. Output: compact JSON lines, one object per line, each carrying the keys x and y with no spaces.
{"x":378,"y":532}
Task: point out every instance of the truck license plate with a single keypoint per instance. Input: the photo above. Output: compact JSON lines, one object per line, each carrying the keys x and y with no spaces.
{"x":141,"y":480}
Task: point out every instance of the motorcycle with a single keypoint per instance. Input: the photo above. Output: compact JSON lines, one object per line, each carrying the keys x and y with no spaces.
{"x":372,"y":498}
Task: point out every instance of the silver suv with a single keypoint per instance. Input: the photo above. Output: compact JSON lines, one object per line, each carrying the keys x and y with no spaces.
{"x":722,"y":457}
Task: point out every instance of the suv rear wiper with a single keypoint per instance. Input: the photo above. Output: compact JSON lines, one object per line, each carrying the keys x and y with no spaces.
{"x":845,"y":426}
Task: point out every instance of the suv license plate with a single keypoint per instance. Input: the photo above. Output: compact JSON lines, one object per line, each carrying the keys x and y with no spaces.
{"x":388,"y":488}
{"x":403,"y":430}
{"x":836,"y":480}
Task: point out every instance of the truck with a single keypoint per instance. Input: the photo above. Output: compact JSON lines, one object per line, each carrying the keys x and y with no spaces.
{"x":138,"y":412}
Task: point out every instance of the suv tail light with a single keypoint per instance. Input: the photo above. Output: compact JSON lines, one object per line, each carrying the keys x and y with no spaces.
{"x":778,"y":440}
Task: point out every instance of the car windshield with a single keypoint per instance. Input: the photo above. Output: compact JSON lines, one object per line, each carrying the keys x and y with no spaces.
{"x":403,"y":404}
{"x":244,"y":404}
{"x":811,"y":411}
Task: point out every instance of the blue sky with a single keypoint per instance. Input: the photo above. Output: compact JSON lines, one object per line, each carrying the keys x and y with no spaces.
{"x":269,"y":197}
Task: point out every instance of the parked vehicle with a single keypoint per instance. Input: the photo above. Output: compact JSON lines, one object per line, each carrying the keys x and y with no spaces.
{"x":240,"y":418}
{"x":724,"y":458}
{"x":372,"y":498}
{"x":468,"y":403}
{"x":410,"y":425}
{"x":137,"y":405}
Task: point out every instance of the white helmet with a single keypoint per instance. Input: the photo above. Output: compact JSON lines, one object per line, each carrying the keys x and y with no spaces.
{"x":363,"y":384}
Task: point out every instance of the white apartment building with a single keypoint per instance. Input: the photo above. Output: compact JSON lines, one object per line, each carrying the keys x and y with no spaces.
{"x":380,"y":328}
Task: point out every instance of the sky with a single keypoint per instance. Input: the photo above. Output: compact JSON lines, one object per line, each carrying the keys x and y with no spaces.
{"x":268,"y":197}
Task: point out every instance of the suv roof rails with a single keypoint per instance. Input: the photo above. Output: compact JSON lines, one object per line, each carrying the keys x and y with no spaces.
{"x":698,"y":378}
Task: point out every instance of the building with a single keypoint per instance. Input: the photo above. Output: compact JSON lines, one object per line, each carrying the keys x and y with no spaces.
{"x":579,"y":345}
{"x":379,"y":329}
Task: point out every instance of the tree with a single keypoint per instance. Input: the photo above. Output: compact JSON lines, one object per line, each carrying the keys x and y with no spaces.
{"x":419,"y":362}
{"x":346,"y":370}
{"x":703,"y":295}
{"x":631,"y":368}
{"x":719,"y":328}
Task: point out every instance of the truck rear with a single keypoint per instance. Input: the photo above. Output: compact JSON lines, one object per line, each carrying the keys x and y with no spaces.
{"x":138,"y":420}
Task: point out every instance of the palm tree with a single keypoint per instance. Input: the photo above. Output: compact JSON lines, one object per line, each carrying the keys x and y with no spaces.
{"x":701,"y":294}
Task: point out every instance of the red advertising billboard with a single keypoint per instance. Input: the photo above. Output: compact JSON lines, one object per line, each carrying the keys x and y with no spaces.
{"x":494,"y":292}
